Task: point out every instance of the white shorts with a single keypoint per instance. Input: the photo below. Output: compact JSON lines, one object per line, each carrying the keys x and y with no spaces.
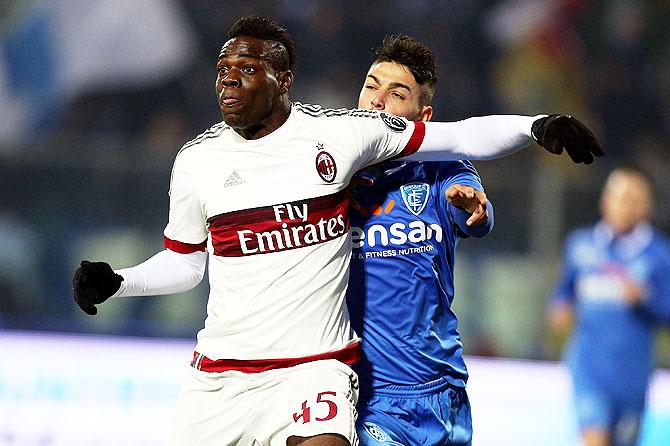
{"x":266,"y":408}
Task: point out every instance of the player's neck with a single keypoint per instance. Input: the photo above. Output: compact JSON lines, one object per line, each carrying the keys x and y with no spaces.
{"x":268,"y":125}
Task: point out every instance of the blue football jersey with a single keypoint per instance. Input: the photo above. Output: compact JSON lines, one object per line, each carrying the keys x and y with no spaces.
{"x":401,"y":284}
{"x":611,"y":347}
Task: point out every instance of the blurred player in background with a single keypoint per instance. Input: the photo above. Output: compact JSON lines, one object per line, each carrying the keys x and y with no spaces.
{"x":614,"y":287}
{"x":405,"y":227}
{"x":265,"y":194}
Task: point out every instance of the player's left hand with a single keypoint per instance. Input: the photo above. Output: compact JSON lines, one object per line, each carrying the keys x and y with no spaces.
{"x":558,"y":132}
{"x":470,"y":200}
{"x":93,"y":283}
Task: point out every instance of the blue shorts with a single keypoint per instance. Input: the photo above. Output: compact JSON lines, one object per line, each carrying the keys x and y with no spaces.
{"x":621,"y":416}
{"x":428,"y":414}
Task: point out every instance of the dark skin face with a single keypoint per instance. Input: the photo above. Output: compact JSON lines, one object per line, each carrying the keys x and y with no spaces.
{"x":252,"y":95}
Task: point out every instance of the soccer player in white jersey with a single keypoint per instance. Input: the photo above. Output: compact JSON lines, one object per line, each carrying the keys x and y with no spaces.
{"x":263,"y":196}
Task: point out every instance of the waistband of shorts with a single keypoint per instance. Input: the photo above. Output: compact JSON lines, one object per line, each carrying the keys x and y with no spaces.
{"x":348,"y":355}
{"x":437,"y":385}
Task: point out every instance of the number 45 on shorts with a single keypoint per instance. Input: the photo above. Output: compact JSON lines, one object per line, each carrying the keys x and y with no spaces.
{"x":323,"y":400}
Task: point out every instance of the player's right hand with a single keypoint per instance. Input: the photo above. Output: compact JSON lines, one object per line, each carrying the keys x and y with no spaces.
{"x":93,"y":283}
{"x":470,"y":200}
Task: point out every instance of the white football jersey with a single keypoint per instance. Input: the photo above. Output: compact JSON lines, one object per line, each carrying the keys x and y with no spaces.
{"x":273,"y":213}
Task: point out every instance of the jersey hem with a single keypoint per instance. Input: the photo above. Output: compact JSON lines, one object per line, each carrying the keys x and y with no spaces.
{"x":348,"y":355}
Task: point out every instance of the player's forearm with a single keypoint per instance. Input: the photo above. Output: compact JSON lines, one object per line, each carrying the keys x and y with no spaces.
{"x":167,"y":272}
{"x":479,"y":138}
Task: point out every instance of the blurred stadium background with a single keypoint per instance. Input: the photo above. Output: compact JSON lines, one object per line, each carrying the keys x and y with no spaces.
{"x":97,"y":96}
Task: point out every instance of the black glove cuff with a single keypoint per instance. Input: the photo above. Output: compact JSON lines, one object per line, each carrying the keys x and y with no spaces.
{"x":538,"y":129}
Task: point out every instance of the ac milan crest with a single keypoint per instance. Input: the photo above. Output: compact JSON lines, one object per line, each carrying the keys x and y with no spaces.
{"x":325,"y":166}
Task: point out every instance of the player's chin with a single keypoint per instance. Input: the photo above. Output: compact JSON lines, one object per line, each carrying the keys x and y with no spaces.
{"x":235,"y":119}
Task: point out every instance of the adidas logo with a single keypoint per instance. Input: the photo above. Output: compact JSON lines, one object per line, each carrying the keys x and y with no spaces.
{"x":234,"y":180}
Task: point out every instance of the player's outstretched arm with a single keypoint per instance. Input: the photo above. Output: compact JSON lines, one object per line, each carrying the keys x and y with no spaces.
{"x":167,"y":272}
{"x":495,"y":136}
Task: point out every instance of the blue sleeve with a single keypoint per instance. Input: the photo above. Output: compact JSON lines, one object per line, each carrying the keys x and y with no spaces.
{"x":657,"y":302}
{"x":564,"y":289}
{"x":463,"y":172}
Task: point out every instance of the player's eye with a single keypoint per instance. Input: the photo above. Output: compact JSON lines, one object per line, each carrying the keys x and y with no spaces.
{"x":221,"y":70}
{"x":398,"y":96}
{"x":249,"y":69}
{"x":370,"y":87}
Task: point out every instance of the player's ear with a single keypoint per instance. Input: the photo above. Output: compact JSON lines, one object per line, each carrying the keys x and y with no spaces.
{"x":426,"y":113}
{"x":285,"y":79}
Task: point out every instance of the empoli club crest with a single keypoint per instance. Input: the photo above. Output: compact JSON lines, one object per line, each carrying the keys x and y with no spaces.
{"x":415,"y":196}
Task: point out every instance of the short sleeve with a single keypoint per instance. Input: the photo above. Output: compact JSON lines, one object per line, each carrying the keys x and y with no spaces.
{"x":186,"y":230}
{"x":380,"y":136}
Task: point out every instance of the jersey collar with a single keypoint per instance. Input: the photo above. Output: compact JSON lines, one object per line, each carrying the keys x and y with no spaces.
{"x":628,"y":245}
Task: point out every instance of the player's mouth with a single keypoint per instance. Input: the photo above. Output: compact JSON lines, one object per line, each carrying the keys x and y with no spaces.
{"x":230,"y":102}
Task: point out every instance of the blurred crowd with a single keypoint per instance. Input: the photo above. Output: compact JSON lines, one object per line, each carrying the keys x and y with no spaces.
{"x":98,"y":96}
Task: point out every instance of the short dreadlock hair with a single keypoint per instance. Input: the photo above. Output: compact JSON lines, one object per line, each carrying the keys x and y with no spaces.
{"x":416,"y":56}
{"x":283,"y":55}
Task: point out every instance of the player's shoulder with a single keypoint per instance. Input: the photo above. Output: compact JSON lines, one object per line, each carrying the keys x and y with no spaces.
{"x":584,"y":231}
{"x":583,"y":235}
{"x":345,"y":117}
{"x":453,"y":167}
{"x":205,"y":138}
{"x":453,"y":171}
{"x":661,"y":240}
{"x":335,"y":117}
{"x":317,"y":111}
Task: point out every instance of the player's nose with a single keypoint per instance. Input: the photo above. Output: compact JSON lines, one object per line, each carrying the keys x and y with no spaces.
{"x":230,"y":79}
{"x":377,"y":102}
{"x":230,"y":82}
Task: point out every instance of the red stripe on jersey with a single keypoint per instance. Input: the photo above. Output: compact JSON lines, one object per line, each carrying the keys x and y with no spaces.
{"x":280,"y":227}
{"x":348,"y":355}
{"x":415,"y":140}
{"x":183,"y":248}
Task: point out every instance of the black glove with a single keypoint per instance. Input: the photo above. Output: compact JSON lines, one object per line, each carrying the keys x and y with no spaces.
{"x":558,"y":132}
{"x":93,"y":283}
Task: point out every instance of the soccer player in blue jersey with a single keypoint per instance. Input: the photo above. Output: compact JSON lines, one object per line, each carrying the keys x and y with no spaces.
{"x":406,"y":223}
{"x":614,"y":288}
